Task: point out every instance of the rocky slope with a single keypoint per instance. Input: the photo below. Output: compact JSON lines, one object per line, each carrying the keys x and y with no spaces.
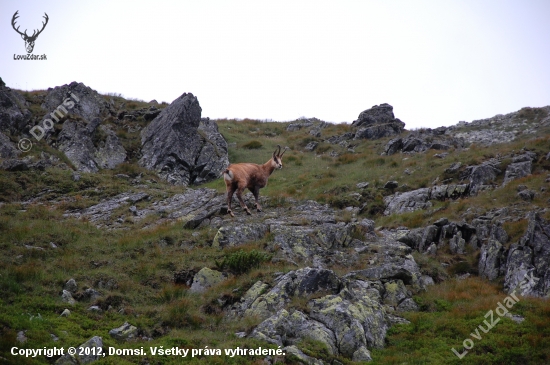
{"x":350,"y":280}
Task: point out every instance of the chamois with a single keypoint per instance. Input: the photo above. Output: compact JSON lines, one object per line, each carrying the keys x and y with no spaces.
{"x":240,"y":176}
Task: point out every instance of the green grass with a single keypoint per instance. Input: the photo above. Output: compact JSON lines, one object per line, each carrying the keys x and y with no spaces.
{"x":451,"y":311}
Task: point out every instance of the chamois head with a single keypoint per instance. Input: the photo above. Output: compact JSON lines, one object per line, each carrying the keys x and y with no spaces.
{"x":278,"y":157}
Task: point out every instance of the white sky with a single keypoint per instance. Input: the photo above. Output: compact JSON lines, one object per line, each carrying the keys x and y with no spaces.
{"x":437,"y":62}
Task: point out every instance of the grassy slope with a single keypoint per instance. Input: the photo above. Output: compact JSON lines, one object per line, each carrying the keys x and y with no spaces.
{"x":141,"y":263}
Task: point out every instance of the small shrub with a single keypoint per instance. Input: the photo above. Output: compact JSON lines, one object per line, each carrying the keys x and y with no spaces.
{"x":241,"y":261}
{"x":461,"y":267}
{"x":253,"y":145}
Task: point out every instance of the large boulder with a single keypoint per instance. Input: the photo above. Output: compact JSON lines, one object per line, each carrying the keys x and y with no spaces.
{"x":205,"y":279}
{"x":179,"y":149}
{"x":377,"y":122}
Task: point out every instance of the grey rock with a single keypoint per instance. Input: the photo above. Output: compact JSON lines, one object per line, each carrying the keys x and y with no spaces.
{"x":21,"y":338}
{"x":457,"y":244}
{"x":429,"y":235}
{"x":340,"y":138}
{"x":239,"y":234}
{"x":7,"y":148}
{"x":95,"y":308}
{"x":75,"y":140}
{"x":426,"y":280}
{"x":491,"y":258}
{"x":190,"y":208}
{"x":284,"y":328}
{"x":92,"y":355}
{"x":355,"y":316}
{"x":528,"y":261}
{"x":394,"y":292}
{"x":403,"y":268}
{"x":14,"y":112}
{"x":362,"y":185}
{"x":408,"y":201}
{"x":527,"y":195}
{"x":501,"y":128}
{"x":515,"y":317}
{"x":14,"y":165}
{"x":407,"y":305}
{"x":65,"y":313}
{"x":212,"y":158}
{"x":301,"y":282}
{"x":303,"y":358}
{"x":432,"y":249}
{"x":311,"y":146}
{"x":423,"y":140}
{"x":124,"y":332}
{"x":88,"y":104}
{"x":377,"y":122}
{"x":70,"y":286}
{"x":205,"y":279}
{"x":378,"y":114}
{"x":480,"y":175}
{"x":441,"y":222}
{"x":67,"y":297}
{"x":109,"y":153}
{"x":453,"y":168}
{"x":391,"y":185}
{"x":178,"y":149}
{"x":521,"y":188}
{"x":517,"y":170}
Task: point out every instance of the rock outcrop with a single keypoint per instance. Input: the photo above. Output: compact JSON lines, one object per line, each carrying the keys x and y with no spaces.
{"x":191,"y":208}
{"x":530,"y":259}
{"x":179,"y":149}
{"x":14,"y":112}
{"x":76,"y":140}
{"x":88,"y":104}
{"x":377,"y":122}
{"x":423,"y":140}
{"x":7,"y":148}
{"x":502,"y":128}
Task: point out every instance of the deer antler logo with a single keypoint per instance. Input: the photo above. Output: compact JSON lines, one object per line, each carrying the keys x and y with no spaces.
{"x":29,"y":40}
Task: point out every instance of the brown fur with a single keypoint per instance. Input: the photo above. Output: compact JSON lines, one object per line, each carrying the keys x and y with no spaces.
{"x":251,"y":176}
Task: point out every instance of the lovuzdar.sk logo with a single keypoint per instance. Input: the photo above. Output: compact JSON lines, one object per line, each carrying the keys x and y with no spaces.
{"x":29,"y":39}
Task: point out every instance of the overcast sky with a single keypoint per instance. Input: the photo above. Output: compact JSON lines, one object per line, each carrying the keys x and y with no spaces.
{"x":436,"y":62}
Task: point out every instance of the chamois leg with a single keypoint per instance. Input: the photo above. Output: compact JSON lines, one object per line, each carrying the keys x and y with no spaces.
{"x":240,"y":197}
{"x":256,"y":193}
{"x":230,"y":192}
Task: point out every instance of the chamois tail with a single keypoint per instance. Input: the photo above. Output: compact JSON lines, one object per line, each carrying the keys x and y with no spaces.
{"x":228,"y":175}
